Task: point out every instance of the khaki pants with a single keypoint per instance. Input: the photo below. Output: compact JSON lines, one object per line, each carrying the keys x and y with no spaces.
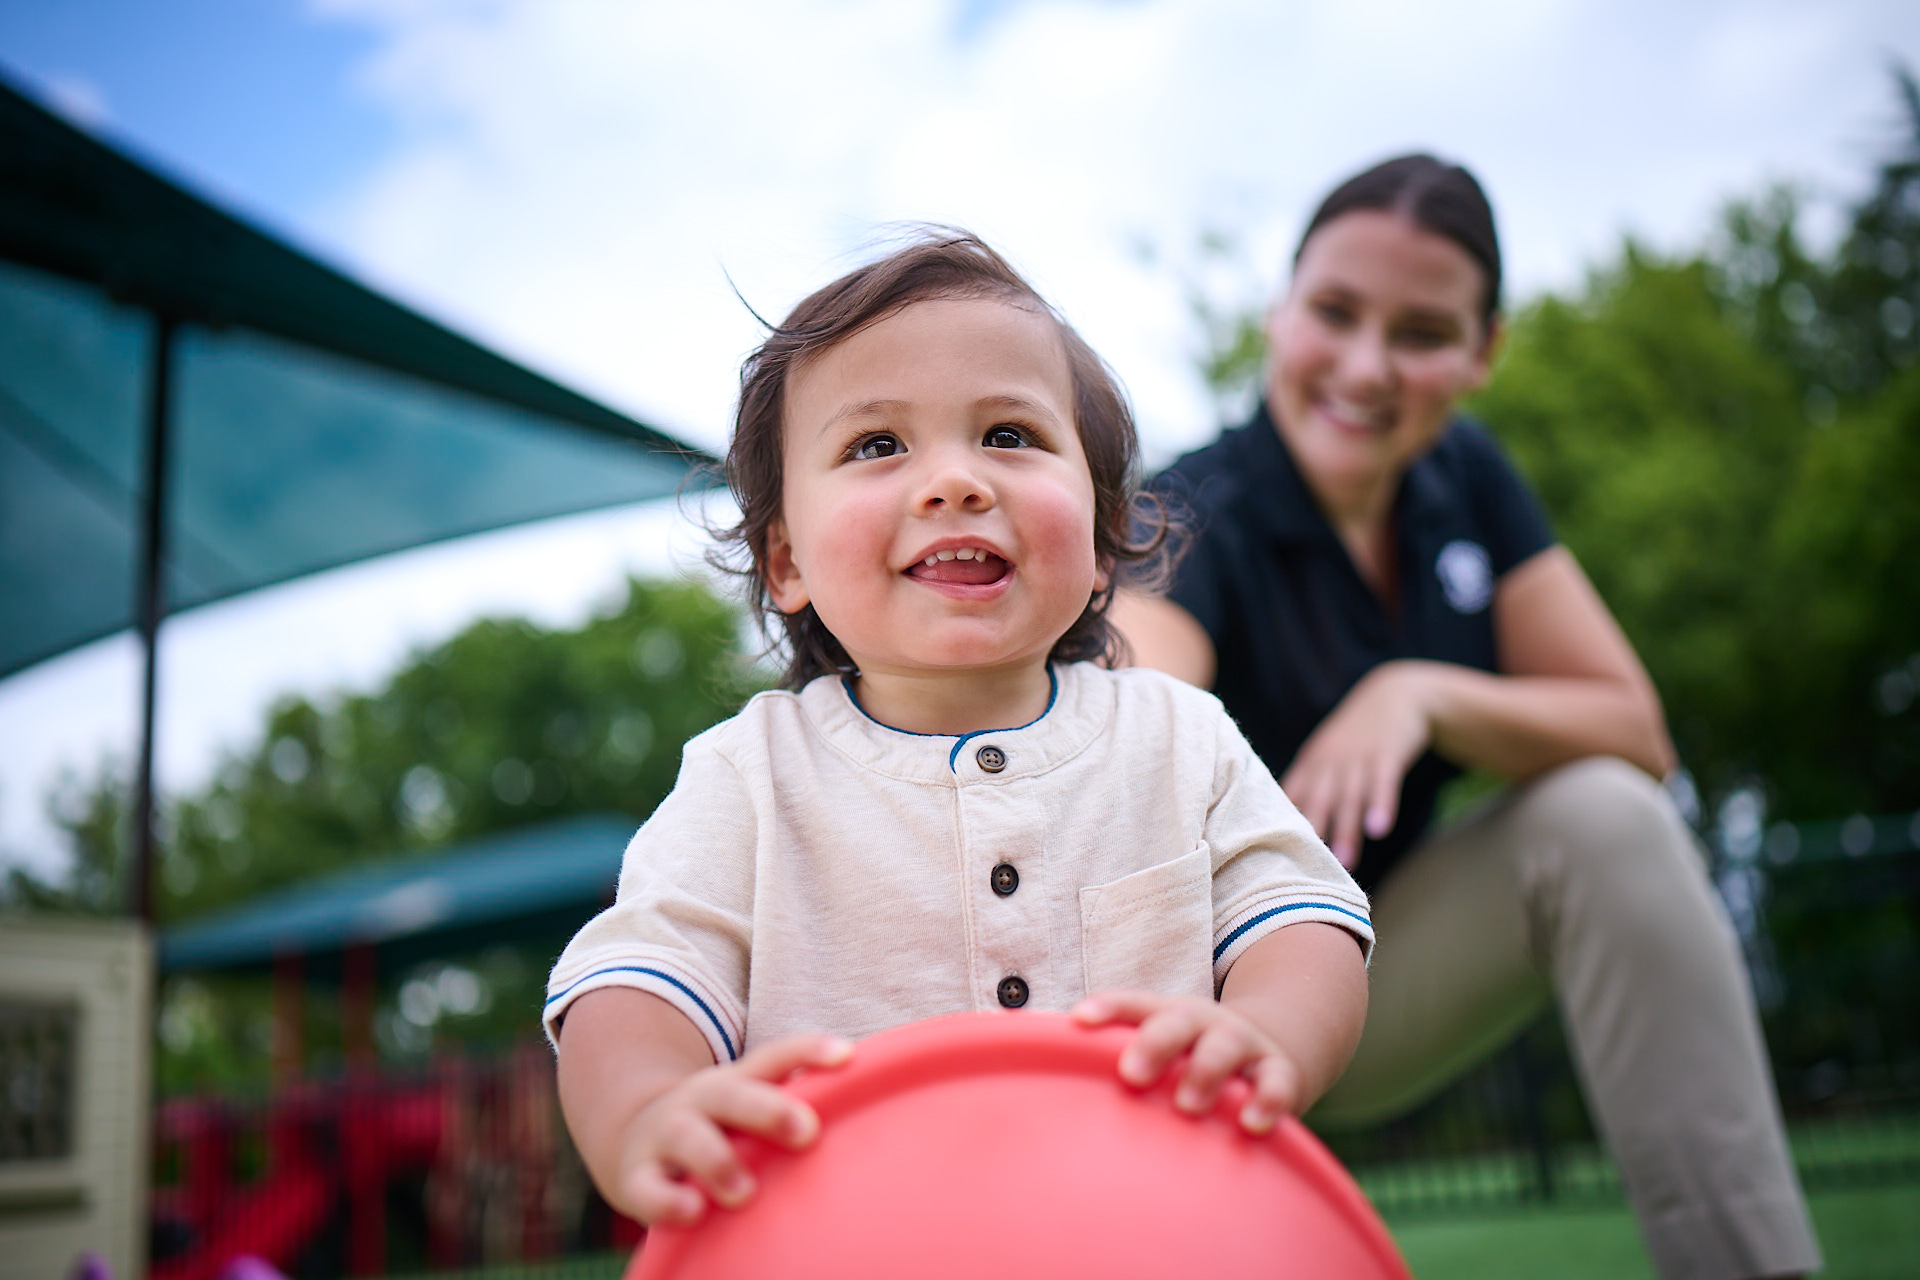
{"x":1586,"y":885}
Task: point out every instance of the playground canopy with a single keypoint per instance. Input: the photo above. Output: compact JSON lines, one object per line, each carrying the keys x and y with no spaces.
{"x":285,"y":419}
{"x":190,"y":408}
{"x":529,"y":882}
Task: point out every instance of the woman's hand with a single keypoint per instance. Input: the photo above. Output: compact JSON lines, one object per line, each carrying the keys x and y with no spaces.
{"x":1224,"y":1044}
{"x":676,"y":1153}
{"x":1346,"y":777}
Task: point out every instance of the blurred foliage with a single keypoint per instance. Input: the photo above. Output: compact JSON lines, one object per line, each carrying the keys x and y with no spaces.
{"x":1730,"y":443}
{"x":1847,"y":324}
{"x":1226,"y":301}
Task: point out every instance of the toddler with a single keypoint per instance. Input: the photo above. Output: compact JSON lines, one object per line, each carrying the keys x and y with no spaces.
{"x":949,"y":806}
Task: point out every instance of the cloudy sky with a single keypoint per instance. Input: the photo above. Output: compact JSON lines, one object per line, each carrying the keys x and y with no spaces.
{"x":584,"y":183}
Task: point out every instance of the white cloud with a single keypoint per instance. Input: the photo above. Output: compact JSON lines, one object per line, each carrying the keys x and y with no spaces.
{"x":579,"y":177}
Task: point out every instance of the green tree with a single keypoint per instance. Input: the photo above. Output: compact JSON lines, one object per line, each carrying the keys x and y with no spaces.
{"x":1842,"y":670}
{"x":1847,"y":323}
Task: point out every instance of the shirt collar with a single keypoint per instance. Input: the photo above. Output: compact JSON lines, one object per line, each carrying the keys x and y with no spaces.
{"x":1080,"y":710}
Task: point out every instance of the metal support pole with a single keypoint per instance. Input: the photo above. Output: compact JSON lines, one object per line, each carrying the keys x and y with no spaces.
{"x":1533,"y":1116}
{"x":150,"y":605}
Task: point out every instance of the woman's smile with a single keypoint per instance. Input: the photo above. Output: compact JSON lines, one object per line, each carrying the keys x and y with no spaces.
{"x":1349,"y":415}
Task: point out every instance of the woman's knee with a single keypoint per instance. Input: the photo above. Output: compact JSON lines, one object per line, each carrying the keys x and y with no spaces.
{"x":1606,"y":803}
{"x":1602,"y":836}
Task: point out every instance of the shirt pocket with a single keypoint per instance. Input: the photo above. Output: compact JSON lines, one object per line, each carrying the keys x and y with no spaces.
{"x":1152,"y":930}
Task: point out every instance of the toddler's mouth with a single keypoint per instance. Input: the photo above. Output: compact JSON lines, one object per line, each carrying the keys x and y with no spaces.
{"x":971,"y":566}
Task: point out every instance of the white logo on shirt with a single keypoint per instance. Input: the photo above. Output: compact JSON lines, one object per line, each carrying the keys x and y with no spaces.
{"x":1466,"y":575}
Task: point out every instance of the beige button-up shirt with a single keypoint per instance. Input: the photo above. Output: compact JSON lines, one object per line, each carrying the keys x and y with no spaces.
{"x":815,"y":870}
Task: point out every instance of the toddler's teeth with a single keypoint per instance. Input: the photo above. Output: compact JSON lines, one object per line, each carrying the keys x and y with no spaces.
{"x":932,"y":560}
{"x":944,"y":555}
{"x":964,"y":553}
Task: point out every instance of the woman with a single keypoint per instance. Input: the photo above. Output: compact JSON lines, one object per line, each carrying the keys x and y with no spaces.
{"x":1377,"y":598}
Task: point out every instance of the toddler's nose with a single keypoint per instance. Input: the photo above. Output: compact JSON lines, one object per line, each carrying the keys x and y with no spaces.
{"x":953,"y":486}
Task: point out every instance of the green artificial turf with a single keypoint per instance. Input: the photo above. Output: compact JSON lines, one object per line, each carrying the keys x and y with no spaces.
{"x":1866,"y":1235}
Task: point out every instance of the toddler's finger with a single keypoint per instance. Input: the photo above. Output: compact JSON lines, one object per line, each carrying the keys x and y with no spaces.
{"x":1094,"y":1011}
{"x":1119,"y":1005}
{"x":764,"y":1110}
{"x":1219,"y":1053}
{"x":782,"y":1058}
{"x":1276,"y":1093}
{"x":1161,"y":1038}
{"x":696,"y":1146}
{"x":658,"y":1200}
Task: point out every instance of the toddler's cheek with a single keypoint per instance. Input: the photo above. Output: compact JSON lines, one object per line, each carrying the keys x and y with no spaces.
{"x":1059,"y":538}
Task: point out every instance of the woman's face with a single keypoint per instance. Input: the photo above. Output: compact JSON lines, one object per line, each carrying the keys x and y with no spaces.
{"x":1376,"y":338}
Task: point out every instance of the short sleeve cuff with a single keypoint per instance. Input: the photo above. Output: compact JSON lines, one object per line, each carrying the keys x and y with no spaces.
{"x":1257,"y":919}
{"x":701,"y":1004}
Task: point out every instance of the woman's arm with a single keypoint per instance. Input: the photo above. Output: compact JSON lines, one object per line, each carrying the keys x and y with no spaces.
{"x":1569,"y":686}
{"x":1160,"y":634}
{"x":1570,"y":683}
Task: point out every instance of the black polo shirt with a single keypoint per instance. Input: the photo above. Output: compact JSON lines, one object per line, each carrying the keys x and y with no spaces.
{"x":1295,"y":626}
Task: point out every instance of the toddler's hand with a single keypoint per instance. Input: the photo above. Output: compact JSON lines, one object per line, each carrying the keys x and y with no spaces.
{"x":1223,"y":1043}
{"x":677,"y":1148}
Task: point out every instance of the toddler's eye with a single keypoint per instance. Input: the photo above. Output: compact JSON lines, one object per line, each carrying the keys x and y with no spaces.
{"x":876,"y":447}
{"x":1005,"y":438}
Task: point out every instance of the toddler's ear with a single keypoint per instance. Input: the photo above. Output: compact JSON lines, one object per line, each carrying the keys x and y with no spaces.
{"x":784,"y":582}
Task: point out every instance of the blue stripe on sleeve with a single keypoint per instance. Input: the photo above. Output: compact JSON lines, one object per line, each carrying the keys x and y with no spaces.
{"x":1271,"y":912}
{"x":725,"y":1039}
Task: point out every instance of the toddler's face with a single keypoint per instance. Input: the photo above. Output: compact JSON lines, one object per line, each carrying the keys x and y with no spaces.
{"x":938,"y":511}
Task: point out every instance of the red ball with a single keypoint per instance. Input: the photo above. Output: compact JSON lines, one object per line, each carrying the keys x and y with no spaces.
{"x":1005,"y":1146}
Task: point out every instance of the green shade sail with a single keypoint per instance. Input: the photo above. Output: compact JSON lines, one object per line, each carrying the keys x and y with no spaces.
{"x":530,"y":882}
{"x":309,"y":422}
